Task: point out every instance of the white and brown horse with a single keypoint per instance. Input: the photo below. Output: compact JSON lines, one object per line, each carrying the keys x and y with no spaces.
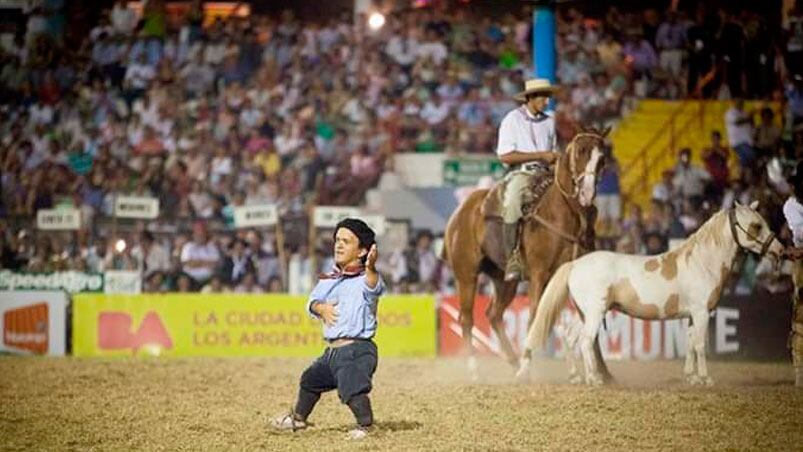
{"x":683,"y":283}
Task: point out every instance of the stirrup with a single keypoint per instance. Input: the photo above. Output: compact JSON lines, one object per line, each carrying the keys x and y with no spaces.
{"x":513,"y":268}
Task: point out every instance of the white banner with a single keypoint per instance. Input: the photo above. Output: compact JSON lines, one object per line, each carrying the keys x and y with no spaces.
{"x":329,"y":216}
{"x":258,"y":215}
{"x":33,"y":322}
{"x":58,"y":219}
{"x":375,"y":222}
{"x":136,"y":207}
{"x":122,"y":282}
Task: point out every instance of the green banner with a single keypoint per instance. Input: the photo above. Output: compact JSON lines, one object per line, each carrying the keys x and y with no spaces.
{"x":468,"y":170}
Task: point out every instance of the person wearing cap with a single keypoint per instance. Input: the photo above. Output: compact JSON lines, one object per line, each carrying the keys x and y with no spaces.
{"x":793,"y":211}
{"x":527,"y":144}
{"x":346,"y":302}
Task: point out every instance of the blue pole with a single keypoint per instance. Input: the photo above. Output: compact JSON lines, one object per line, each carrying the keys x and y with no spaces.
{"x":544,"y":41}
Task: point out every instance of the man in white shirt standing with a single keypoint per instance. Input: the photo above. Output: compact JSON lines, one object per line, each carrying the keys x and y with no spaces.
{"x":793,"y":211}
{"x":200,"y":257}
{"x":527,"y":142}
{"x":739,"y":124}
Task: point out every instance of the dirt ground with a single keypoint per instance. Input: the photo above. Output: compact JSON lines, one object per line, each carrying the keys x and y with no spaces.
{"x":223,"y":404}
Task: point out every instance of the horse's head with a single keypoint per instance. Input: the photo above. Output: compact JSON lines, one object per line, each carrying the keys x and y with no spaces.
{"x":585,"y":155}
{"x":752,"y":233}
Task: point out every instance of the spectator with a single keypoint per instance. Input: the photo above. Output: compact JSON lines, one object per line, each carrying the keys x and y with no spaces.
{"x":248,"y":284}
{"x":421,"y":262}
{"x":767,"y":135}
{"x":199,"y":257}
{"x":670,"y":41}
{"x":608,"y":200}
{"x":689,"y":180}
{"x":151,"y":256}
{"x":700,"y":48}
{"x":215,"y":285}
{"x":715,"y":159}
{"x":740,"y":132}
{"x":236,"y":264}
{"x":663,"y":191}
{"x":640,"y":54}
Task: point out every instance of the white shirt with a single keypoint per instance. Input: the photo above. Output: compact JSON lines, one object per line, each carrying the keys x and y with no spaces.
{"x":157,"y":259}
{"x":738,"y":134}
{"x":690,"y":180}
{"x":403,"y":55}
{"x":521,"y":131}
{"x":661,"y":192}
{"x":793,"y":211}
{"x":193,"y":251}
{"x":41,"y":114}
{"x":435,"y":113}
{"x":434,"y":50}
{"x":139,"y":75}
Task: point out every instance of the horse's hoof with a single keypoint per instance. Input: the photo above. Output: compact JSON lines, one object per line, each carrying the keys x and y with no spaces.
{"x":594,"y":380}
{"x":575,"y":379}
{"x":707,"y":381}
{"x":693,"y":380}
{"x":523,"y":375}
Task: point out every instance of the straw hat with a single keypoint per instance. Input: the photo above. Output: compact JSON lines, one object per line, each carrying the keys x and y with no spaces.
{"x":535,"y":85}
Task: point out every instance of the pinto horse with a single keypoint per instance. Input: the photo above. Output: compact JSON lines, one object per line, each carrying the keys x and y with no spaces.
{"x":554,"y":232}
{"x":683,"y":283}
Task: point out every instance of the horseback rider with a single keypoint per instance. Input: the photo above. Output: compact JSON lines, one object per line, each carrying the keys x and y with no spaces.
{"x":527,"y":144}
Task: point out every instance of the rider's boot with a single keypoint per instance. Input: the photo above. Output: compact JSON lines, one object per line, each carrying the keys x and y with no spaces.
{"x":510,"y":237}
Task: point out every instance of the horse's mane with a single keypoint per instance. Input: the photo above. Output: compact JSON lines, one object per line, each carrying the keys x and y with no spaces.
{"x":709,"y":232}
{"x":601,"y":132}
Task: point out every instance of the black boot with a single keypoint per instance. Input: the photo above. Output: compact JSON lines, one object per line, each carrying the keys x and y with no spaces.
{"x":510,"y":237}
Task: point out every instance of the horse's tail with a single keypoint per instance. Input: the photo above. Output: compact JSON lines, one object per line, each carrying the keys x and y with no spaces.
{"x":549,"y":307}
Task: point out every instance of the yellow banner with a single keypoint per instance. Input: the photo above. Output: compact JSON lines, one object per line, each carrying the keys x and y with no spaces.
{"x":234,"y":325}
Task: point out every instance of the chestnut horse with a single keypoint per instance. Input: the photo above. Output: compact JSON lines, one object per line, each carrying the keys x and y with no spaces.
{"x":554,"y":232}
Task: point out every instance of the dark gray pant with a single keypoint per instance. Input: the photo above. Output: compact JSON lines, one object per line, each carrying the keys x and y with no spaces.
{"x":350,"y":370}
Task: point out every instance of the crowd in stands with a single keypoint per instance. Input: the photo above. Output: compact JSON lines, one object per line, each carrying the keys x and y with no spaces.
{"x":260,"y":109}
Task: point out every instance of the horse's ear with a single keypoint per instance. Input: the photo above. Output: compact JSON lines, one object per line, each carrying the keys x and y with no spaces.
{"x":606,"y":131}
{"x":737,"y":203}
{"x":754,"y":205}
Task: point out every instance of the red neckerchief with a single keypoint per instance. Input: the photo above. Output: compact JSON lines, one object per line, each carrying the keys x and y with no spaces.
{"x":348,"y":272}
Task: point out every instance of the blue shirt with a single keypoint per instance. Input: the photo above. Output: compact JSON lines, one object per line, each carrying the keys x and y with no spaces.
{"x":608,"y":182}
{"x":356,"y":306}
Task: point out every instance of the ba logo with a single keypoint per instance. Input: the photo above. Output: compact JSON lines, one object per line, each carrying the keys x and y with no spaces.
{"x":115,"y":332}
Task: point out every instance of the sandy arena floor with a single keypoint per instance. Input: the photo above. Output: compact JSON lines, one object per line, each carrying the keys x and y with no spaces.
{"x":223,"y":404}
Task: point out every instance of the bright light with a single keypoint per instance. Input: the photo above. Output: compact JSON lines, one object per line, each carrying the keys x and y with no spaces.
{"x":376,"y":21}
{"x":120,"y":246}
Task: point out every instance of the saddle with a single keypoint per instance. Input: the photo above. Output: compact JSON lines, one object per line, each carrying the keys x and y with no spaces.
{"x":540,"y":180}
{"x":491,"y":210}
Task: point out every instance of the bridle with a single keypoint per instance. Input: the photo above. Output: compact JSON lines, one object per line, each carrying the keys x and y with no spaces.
{"x":734,"y":225}
{"x":570,"y":150}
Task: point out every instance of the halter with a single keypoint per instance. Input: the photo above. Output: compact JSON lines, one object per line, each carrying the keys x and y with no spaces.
{"x":734,"y":225}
